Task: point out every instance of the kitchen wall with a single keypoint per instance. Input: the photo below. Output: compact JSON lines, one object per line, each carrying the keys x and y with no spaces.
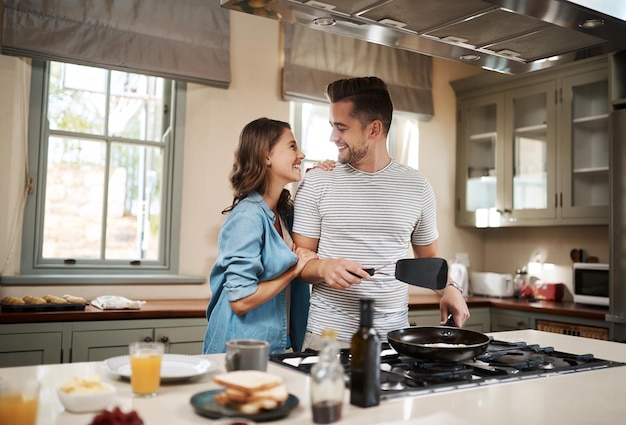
{"x":213,"y":122}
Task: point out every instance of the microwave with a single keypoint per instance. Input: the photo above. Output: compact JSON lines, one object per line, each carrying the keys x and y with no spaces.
{"x":591,"y":283}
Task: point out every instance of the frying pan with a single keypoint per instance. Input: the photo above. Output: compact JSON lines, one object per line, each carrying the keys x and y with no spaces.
{"x":416,"y":342}
{"x":429,"y":273}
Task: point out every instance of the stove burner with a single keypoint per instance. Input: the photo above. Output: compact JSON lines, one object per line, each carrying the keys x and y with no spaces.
{"x":503,"y":361}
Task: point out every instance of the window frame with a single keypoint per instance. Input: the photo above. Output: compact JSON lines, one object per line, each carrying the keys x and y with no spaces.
{"x":33,"y":267}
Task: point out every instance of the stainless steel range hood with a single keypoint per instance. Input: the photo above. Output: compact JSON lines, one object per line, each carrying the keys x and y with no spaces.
{"x":510,"y":36}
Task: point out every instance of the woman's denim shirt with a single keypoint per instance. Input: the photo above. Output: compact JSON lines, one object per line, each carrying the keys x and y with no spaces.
{"x":250,"y":250}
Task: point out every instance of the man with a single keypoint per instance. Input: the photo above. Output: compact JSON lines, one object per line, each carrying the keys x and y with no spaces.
{"x":364,"y":213}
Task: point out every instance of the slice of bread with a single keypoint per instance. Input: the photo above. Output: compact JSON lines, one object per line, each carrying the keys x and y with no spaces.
{"x":248,"y":381}
{"x":278,"y":393}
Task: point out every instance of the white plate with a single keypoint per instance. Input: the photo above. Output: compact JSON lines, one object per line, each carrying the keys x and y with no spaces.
{"x":174,"y":367}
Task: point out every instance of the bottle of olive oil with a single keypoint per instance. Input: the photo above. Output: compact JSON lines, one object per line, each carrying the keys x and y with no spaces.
{"x":365,"y":360}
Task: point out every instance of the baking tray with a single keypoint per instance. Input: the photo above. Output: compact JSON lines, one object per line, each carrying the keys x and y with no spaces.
{"x":42,"y":307}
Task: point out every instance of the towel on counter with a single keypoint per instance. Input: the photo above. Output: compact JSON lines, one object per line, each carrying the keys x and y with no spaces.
{"x":458,"y":273}
{"x":114,"y":302}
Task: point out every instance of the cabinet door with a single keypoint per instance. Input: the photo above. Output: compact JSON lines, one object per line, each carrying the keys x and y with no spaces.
{"x":480,"y":159}
{"x":182,"y":339}
{"x":26,"y":344}
{"x":33,"y":348}
{"x":585,"y":147}
{"x":505,"y":320}
{"x":530,"y":139}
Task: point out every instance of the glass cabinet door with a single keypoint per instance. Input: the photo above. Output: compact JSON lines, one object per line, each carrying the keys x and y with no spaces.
{"x":530,"y":158}
{"x":480,"y":156}
{"x":585,"y":191}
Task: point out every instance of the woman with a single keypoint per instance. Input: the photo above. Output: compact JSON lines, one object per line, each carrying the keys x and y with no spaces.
{"x":252,"y":281}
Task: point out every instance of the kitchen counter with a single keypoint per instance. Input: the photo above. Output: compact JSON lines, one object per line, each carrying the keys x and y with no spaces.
{"x":167,"y":309}
{"x":152,"y":309}
{"x":539,"y":306}
{"x":589,"y":397}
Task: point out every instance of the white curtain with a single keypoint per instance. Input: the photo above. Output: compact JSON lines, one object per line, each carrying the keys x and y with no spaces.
{"x":15,"y":87}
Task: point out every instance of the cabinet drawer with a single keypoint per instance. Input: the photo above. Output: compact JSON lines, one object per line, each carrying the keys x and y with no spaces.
{"x":89,"y":346}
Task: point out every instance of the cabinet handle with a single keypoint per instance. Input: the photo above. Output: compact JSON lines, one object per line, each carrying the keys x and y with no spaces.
{"x":147,"y":339}
{"x":164,"y":339}
{"x":521,"y":323}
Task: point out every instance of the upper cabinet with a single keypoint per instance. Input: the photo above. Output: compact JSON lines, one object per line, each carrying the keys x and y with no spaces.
{"x":532,"y":149}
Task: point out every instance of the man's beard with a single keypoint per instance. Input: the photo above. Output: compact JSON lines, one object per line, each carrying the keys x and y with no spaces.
{"x":353,"y":155}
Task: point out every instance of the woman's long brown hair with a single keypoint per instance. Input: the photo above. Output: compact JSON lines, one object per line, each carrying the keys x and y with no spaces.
{"x":250,"y":173}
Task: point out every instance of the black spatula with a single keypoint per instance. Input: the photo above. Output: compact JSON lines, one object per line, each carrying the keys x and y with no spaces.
{"x":429,"y":273}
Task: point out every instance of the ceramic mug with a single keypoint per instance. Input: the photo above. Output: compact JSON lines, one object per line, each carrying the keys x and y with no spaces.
{"x":246,"y":354}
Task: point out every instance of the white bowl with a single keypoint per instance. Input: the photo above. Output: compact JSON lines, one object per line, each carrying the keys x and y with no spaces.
{"x":92,"y":402}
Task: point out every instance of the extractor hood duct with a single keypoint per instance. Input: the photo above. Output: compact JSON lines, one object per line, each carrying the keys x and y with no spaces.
{"x":509,"y":36}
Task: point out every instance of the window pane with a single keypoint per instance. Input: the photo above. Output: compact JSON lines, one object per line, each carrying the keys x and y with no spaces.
{"x":315,"y":138}
{"x":136,"y":106}
{"x":76,"y":99}
{"x":74,"y":194}
{"x":134,"y":204}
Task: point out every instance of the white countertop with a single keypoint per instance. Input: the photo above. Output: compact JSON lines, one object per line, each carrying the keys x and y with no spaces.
{"x":591,"y":397}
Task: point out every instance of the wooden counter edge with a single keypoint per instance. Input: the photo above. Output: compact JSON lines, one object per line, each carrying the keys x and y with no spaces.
{"x":196,"y":308}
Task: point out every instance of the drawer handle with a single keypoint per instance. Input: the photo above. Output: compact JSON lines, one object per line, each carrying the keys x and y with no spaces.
{"x":147,"y":339}
{"x":165,"y":339}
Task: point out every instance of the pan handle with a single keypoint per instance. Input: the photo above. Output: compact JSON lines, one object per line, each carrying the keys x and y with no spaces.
{"x":450,"y":321}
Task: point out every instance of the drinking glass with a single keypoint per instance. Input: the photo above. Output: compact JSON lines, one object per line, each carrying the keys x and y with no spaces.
{"x":145,"y":367}
{"x":19,"y":401}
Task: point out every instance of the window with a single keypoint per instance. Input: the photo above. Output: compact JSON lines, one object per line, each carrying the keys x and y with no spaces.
{"x":104,"y":155}
{"x":312,"y":130}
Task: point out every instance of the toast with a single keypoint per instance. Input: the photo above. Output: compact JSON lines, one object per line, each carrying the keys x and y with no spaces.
{"x":248,"y":381}
{"x":251,"y":391}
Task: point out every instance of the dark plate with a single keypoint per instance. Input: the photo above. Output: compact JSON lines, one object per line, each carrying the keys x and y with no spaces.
{"x":205,"y":405}
{"x":42,"y":307}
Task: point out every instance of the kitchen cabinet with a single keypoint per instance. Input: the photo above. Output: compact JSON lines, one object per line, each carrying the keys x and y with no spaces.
{"x":503,"y":319}
{"x":509,"y":320}
{"x":92,"y":341}
{"x":33,"y":344}
{"x":479,"y":320}
{"x":617,"y":70}
{"x":63,"y":342}
{"x":532,"y":149}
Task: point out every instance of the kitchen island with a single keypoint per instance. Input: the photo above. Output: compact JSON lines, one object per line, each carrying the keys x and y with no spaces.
{"x":586,"y":397}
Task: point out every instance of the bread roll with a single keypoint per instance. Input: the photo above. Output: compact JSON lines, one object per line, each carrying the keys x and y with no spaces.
{"x":12,"y":300}
{"x":34,"y":300}
{"x":74,"y":300}
{"x":54,"y":299}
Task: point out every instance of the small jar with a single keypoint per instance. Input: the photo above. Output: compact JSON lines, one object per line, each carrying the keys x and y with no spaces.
{"x":327,"y":381}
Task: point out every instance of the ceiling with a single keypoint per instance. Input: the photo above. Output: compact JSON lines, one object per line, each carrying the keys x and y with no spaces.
{"x":509,"y":36}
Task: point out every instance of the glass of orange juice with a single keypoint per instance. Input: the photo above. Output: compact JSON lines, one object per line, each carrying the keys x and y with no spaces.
{"x":19,"y":401}
{"x":145,"y":367}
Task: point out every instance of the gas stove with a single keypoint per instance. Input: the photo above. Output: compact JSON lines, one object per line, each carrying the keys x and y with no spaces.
{"x":502,"y":362}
